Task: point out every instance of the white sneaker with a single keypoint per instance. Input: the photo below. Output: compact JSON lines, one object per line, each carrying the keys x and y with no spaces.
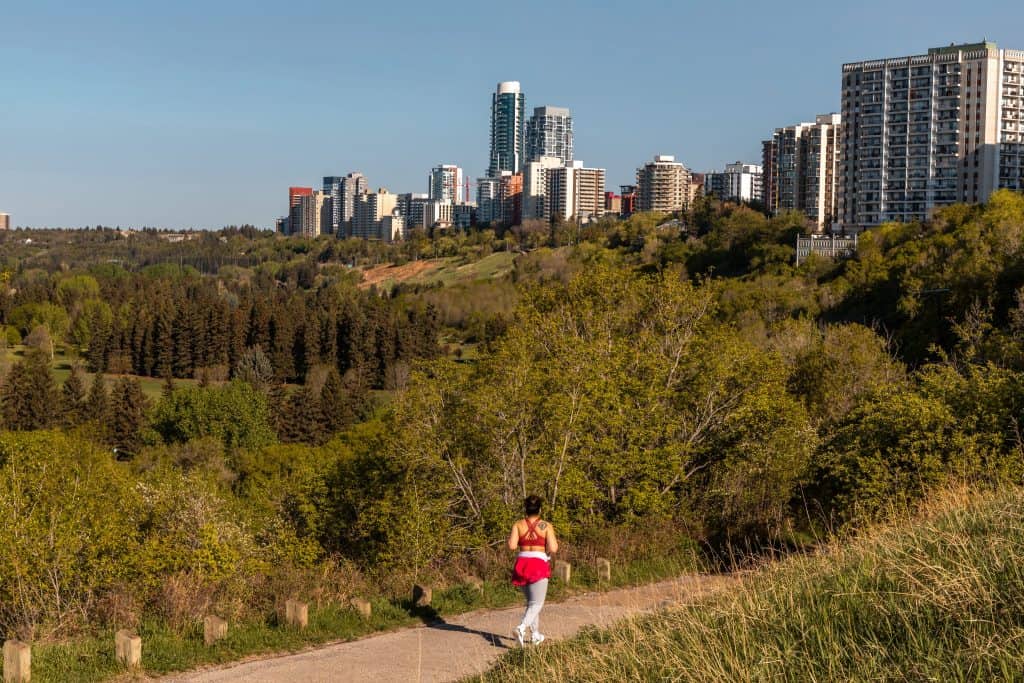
{"x":521,"y":634}
{"x":537,"y":639}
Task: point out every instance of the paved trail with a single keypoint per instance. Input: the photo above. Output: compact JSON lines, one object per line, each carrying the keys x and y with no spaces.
{"x":454,"y":648}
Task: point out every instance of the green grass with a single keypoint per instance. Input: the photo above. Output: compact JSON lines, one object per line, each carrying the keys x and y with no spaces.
{"x":165,"y":650}
{"x":63,"y":360}
{"x":937,"y":597}
{"x":453,"y":271}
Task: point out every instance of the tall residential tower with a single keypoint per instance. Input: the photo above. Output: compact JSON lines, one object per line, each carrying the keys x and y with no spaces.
{"x":549,"y":134}
{"x":926,"y":131}
{"x":508,"y":113}
{"x":801,"y":170}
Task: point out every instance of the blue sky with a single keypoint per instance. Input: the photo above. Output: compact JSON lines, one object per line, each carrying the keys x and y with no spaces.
{"x":201,"y":114}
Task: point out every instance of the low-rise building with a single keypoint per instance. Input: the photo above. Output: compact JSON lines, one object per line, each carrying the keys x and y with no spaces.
{"x":827,"y":246}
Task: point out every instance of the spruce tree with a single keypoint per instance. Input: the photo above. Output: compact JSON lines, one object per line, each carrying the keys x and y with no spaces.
{"x":98,"y":400}
{"x":72,"y":399}
{"x":127,"y":415}
{"x":29,"y":396}
{"x":303,"y":418}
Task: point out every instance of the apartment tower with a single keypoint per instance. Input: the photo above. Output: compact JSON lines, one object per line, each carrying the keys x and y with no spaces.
{"x":508,"y":113}
{"x":801,"y":170}
{"x":662,"y":185}
{"x":574,"y":192}
{"x":926,"y":131}
{"x":445,"y":184}
{"x":549,"y":134}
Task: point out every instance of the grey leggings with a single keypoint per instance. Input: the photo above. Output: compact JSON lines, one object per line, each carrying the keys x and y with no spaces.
{"x":535,"y":593}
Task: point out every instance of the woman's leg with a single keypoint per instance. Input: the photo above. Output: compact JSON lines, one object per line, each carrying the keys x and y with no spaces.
{"x":535,"y":594}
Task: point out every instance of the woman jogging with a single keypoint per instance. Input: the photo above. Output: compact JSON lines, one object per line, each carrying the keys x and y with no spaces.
{"x":535,"y":540}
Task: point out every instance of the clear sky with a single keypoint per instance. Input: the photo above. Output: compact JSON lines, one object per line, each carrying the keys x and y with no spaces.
{"x":201,"y":114}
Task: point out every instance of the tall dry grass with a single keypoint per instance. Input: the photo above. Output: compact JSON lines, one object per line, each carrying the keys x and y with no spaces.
{"x":937,"y":596}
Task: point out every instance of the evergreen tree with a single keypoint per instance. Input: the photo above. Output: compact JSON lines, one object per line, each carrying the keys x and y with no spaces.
{"x":98,"y":400}
{"x":72,"y":399}
{"x":127,"y":415}
{"x":29,"y":394}
{"x":303,"y":418}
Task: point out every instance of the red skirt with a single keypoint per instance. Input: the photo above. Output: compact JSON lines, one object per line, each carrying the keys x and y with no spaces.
{"x":530,"y":570}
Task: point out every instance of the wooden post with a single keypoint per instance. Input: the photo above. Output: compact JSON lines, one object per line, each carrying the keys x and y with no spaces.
{"x":296,"y":613}
{"x":128,"y":648}
{"x":17,"y":662}
{"x":362,"y":606}
{"x":563,"y":570}
{"x":421,"y":595}
{"x":214,"y":629}
{"x":604,"y":569}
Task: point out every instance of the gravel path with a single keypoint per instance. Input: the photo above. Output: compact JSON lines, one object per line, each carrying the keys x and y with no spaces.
{"x":449,"y":650}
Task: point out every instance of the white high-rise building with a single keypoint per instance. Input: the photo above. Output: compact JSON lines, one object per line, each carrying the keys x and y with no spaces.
{"x":508,"y":114}
{"x":488,"y":200}
{"x":739,"y":182}
{"x":801,"y":170}
{"x":535,"y":187}
{"x":445,"y":184}
{"x":549,"y":134}
{"x":929,"y":130}
{"x":574,"y":192}
{"x":370,"y":210}
{"x":314,"y":213}
{"x":350,"y":187}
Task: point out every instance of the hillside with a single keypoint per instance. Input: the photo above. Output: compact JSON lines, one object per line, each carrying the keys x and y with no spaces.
{"x":934,"y":598}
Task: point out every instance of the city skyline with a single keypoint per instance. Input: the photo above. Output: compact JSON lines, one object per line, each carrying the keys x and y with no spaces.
{"x":140,"y":131}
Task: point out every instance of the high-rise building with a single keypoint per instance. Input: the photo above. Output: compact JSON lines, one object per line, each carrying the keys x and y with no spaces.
{"x":926,"y":131}
{"x":411,"y":206}
{"x":549,"y":134}
{"x":445,"y":184}
{"x":803,"y":161}
{"x":5,"y":221}
{"x":370,"y":210}
{"x":314,"y":213}
{"x":768,"y":153}
{"x":739,"y":182}
{"x":352,"y":185}
{"x":295,"y":195}
{"x":510,"y":198}
{"x":662,"y":185}
{"x":574,"y":193}
{"x":508,"y":112}
{"x":464,"y":215}
{"x":332,"y":188}
{"x":488,"y":201}
{"x":535,"y":187}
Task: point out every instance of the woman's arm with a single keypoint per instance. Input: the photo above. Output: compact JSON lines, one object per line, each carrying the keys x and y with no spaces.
{"x":513,"y":538}
{"x":552,"y":542}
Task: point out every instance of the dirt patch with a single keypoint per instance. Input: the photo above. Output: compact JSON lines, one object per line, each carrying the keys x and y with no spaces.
{"x":383,"y":273}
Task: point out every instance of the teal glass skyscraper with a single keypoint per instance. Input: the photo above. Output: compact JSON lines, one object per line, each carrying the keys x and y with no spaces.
{"x":508,"y":115}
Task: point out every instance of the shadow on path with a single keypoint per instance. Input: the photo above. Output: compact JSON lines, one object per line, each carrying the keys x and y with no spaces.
{"x":492,"y":638}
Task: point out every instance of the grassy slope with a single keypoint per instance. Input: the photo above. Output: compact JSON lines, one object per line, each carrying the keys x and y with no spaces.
{"x":151,"y":386}
{"x":936,"y":598}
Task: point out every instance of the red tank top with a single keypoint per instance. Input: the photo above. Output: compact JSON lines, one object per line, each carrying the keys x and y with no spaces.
{"x":531,"y":537}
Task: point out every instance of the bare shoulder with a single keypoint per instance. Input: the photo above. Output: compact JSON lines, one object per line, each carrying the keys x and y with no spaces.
{"x":544,"y":526}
